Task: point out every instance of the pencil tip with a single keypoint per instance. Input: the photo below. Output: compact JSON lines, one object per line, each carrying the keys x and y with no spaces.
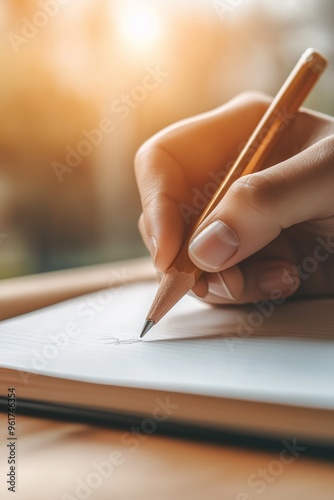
{"x":148,"y":325}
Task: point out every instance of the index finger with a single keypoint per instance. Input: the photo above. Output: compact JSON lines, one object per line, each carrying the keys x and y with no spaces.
{"x":174,"y":167}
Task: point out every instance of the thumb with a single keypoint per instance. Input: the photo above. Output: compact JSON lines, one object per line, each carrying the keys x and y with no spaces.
{"x":258,"y":206}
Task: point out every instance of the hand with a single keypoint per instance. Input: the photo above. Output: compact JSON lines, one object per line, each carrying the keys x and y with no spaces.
{"x":273,"y":233}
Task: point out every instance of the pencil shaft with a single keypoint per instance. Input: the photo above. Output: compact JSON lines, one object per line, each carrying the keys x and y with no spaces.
{"x":182,"y":274}
{"x":279,"y":114}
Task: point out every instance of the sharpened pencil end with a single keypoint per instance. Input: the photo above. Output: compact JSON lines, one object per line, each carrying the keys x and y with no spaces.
{"x":148,"y":325}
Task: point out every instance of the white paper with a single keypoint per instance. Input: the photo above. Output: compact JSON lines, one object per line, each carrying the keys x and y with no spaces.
{"x":259,"y":352}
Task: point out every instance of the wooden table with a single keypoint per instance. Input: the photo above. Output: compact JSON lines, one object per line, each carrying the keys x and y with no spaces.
{"x":66,"y":461}
{"x":55,"y":458}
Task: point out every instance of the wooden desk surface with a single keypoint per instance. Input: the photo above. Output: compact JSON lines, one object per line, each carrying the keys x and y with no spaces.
{"x":63,"y":461}
{"x":60,"y":461}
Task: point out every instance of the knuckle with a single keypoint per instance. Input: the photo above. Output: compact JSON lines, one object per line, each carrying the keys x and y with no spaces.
{"x":257,"y":192}
{"x":254,"y":98}
{"x":143,"y":150}
{"x":148,"y":149}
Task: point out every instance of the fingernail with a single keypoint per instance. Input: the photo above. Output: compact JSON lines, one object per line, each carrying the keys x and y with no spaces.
{"x":218,"y":287}
{"x":278,"y":278}
{"x":214,"y":246}
{"x":153,"y":246}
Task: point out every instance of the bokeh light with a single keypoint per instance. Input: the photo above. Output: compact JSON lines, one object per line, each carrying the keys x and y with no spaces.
{"x":139,"y":25}
{"x":140,"y":65}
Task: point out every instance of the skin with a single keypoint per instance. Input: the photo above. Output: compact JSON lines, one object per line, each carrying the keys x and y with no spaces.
{"x":277,"y":214}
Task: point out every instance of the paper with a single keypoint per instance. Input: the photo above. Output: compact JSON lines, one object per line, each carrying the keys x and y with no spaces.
{"x":263,"y":352}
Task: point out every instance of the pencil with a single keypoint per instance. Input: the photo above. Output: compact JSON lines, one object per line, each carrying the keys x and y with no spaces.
{"x":182,"y":275}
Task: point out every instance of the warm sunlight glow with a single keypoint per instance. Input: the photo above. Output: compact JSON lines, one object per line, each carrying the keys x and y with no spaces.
{"x":139,"y":26}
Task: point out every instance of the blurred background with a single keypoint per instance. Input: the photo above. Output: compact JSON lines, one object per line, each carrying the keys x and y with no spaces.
{"x":85,"y":82}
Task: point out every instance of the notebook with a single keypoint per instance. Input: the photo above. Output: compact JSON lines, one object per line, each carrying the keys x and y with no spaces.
{"x":263,"y":369}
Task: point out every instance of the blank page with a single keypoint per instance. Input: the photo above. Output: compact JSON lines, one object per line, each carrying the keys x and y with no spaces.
{"x":258,"y":352}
